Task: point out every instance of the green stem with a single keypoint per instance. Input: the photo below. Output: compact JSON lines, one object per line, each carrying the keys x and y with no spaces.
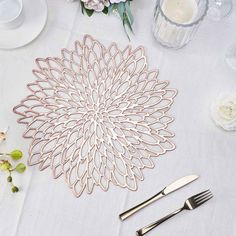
{"x":4,"y":154}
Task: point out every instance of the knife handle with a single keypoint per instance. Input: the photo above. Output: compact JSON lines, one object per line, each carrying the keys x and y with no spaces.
{"x":140,"y":206}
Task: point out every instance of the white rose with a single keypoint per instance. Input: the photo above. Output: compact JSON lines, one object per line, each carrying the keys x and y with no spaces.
{"x":96,"y":5}
{"x":117,"y":1}
{"x":223,"y":111}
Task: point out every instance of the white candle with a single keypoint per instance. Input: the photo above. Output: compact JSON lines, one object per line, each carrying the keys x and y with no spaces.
{"x":176,"y":21}
{"x":180,"y":11}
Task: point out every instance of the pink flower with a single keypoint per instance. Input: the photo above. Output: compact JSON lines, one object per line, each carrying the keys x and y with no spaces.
{"x":117,"y":1}
{"x":96,"y":5}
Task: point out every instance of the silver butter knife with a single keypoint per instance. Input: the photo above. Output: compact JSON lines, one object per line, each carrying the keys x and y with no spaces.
{"x":165,"y":191}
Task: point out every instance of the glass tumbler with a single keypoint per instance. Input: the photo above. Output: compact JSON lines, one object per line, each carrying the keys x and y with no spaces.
{"x":11,"y":14}
{"x":219,"y":9}
{"x":173,"y":32}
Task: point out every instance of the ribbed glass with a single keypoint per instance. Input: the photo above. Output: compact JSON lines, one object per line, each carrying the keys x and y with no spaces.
{"x":171,"y":34}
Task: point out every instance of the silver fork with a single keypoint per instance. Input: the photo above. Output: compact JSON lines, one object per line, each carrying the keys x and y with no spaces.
{"x":190,"y":204}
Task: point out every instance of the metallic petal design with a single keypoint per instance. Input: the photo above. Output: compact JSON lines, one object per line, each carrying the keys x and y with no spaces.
{"x":97,"y":115}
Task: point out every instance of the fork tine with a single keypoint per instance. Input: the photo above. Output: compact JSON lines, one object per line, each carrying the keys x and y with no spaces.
{"x":198,"y":199}
{"x":205,"y":200}
{"x":205,"y":197}
{"x":200,"y":194}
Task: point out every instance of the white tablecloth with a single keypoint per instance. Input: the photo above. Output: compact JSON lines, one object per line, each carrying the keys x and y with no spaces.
{"x":46,"y":207}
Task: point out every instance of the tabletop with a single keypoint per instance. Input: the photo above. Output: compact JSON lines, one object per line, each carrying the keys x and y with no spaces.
{"x":45,"y":207}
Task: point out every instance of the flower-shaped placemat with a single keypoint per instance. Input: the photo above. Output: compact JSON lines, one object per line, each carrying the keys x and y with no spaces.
{"x":97,"y":115}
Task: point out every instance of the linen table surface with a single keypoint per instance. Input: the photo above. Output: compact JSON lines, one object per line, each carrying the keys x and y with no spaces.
{"x":45,"y":207}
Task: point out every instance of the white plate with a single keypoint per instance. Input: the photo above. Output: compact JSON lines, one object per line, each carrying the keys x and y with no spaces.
{"x":35,"y":17}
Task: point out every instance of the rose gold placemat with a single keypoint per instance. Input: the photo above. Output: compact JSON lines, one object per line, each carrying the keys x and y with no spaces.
{"x":97,"y":115}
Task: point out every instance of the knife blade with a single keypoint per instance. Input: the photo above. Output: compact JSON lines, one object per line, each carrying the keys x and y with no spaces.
{"x":165,"y":191}
{"x":179,"y":184}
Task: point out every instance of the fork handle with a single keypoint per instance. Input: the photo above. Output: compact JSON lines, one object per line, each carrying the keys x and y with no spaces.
{"x":153,"y":225}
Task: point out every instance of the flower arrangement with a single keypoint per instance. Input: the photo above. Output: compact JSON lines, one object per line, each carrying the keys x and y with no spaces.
{"x":122,"y":7}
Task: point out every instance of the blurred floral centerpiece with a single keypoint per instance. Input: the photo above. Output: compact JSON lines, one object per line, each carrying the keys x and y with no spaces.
{"x":122,"y":7}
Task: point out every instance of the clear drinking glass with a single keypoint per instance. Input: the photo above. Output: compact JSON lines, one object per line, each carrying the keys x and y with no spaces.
{"x":175,"y":35}
{"x":219,"y":9}
{"x":11,"y":14}
{"x":230,"y":56}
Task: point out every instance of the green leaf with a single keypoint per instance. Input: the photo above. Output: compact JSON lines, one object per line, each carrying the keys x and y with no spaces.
{"x":16,"y":155}
{"x":127,"y":22}
{"x":105,"y":10}
{"x":129,"y":13}
{"x":82,"y":6}
{"x":89,"y":12}
{"x":112,"y":8}
{"x":124,"y":24}
{"x":121,"y":9}
{"x":20,"y":168}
